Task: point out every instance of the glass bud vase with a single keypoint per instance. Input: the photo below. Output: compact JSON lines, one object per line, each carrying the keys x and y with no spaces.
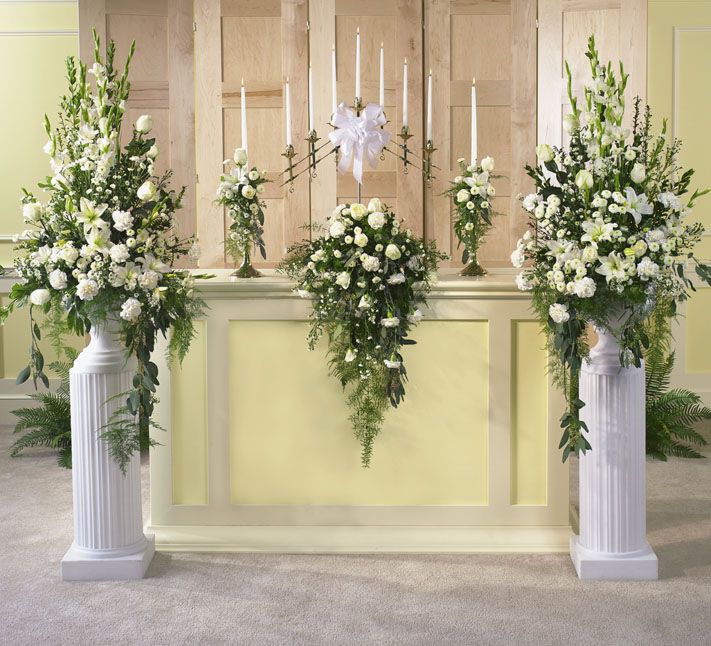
{"x":246,"y":270}
{"x":472,"y":268}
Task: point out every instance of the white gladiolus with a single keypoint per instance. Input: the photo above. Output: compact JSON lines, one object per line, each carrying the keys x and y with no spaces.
{"x":647,"y":269}
{"x":240,"y":156}
{"x":376,"y":220}
{"x":337,"y":229}
{"x":559,"y":312}
{"x":39,"y":296}
{"x":392,"y":251}
{"x":147,"y":192}
{"x":58,"y":279}
{"x":375,"y":205}
{"x":487,"y":164}
{"x":87,"y":289}
{"x":343,"y":279}
{"x":131,"y":310}
{"x":144,"y":123}
{"x":544,"y":153}
{"x":638,"y":174}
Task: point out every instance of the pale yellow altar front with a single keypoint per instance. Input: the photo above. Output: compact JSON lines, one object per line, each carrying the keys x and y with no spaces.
{"x":261,"y":455}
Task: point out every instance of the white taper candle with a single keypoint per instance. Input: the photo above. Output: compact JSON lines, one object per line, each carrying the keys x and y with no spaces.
{"x":474,"y":137}
{"x":243,"y":110}
{"x":357,"y":65}
{"x":404,"y":95}
{"x":287,"y":101}
{"x":429,"y":106}
{"x":381,"y":95}
{"x":334,"y":88}
{"x":311,"y":99}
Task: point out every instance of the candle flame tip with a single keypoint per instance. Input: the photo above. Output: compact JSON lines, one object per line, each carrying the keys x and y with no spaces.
{"x":357,"y":30}
{"x":473,"y":80}
{"x":405,"y":60}
{"x":243,"y":80}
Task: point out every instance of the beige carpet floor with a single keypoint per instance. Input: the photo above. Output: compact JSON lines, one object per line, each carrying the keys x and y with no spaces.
{"x":372,"y":599}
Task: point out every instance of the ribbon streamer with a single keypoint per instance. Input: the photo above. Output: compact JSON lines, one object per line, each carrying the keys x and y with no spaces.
{"x":359,"y":137}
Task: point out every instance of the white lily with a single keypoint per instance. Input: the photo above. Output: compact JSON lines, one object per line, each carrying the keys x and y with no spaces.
{"x":637,"y":205}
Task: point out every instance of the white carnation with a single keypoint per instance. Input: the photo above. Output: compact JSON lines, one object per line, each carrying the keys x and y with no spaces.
{"x":58,"y":279}
{"x":530,"y":201}
{"x":396,"y":279}
{"x":148,"y":280}
{"x":523,"y":283}
{"x":517,"y":257}
{"x":119,"y":253}
{"x":131,"y":310}
{"x":392,"y":321}
{"x":87,"y":289}
{"x":337,"y":229}
{"x":559,"y":312}
{"x":584,"y":288}
{"x":647,"y":269}
{"x":370,"y":263}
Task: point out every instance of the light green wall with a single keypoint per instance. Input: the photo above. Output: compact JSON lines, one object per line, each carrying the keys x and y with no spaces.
{"x":35,"y":39}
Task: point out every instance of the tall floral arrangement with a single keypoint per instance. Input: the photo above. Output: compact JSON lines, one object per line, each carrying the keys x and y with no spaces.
{"x":102,"y":247}
{"x":366,"y":277}
{"x":472,"y":192}
{"x":610,"y":235}
{"x":240,"y":192}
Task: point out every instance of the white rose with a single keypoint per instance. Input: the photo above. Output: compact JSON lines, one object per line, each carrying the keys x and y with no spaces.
{"x":337,"y":229}
{"x":584,"y":179}
{"x":559,"y":312}
{"x":396,"y":279}
{"x":544,"y":153}
{"x":119,"y":253}
{"x":31,"y":211}
{"x":343,"y":279}
{"x":375,"y":205}
{"x":248,"y":192}
{"x":240,"y":156}
{"x":463,"y":196}
{"x":144,"y":123}
{"x":361,"y":239}
{"x":131,"y":310}
{"x":358,"y":211}
{"x":58,"y":279}
{"x":147,"y":191}
{"x":152,"y":152}
{"x":365,"y":303}
{"x":87,"y":289}
{"x":487,"y":164}
{"x":376,"y":219}
{"x":638,"y":174}
{"x":392,"y":251}
{"x":39,"y":297}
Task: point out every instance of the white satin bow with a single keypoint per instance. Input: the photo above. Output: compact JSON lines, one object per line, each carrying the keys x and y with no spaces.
{"x":359,"y":137}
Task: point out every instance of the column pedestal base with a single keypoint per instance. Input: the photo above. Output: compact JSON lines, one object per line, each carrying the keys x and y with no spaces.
{"x":600,"y":566}
{"x":77,"y":565}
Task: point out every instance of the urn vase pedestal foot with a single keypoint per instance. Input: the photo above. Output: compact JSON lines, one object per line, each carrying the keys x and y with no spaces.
{"x":612,"y":543}
{"x":109,"y":543}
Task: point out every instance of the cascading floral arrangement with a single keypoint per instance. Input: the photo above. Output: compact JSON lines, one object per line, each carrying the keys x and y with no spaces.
{"x":102,"y":247}
{"x":472,"y":192}
{"x":609,"y":237}
{"x":239,"y":192}
{"x":366,"y":277}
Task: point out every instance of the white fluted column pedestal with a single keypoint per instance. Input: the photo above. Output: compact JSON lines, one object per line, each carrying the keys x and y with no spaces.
{"x":109,"y":543}
{"x":612,"y":543}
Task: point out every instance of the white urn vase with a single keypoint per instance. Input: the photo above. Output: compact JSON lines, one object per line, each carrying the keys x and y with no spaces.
{"x":109,"y":542}
{"x":612,"y":543}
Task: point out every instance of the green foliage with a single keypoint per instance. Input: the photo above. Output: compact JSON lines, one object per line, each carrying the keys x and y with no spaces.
{"x":48,"y":424}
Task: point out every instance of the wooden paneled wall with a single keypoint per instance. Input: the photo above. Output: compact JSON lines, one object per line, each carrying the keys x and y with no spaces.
{"x":161,"y":78}
{"x":264,"y":41}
